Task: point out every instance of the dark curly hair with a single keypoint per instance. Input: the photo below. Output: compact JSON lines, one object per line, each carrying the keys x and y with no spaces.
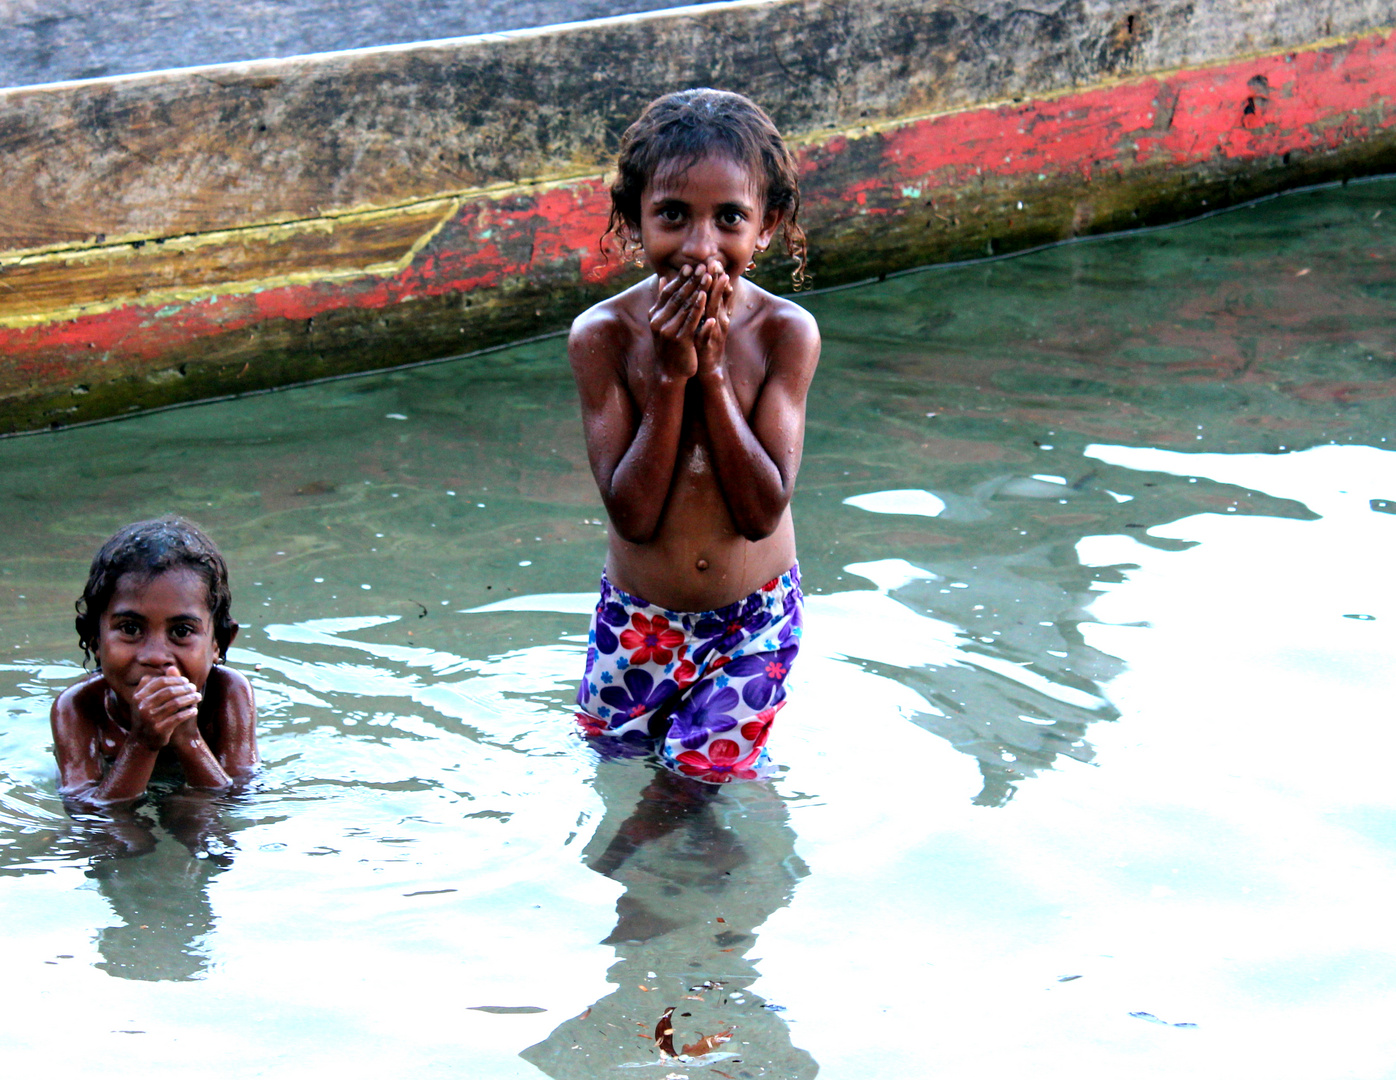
{"x":677,"y":130}
{"x":146,"y":549}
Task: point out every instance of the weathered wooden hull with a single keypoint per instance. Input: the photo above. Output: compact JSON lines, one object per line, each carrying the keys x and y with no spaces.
{"x":189,"y":234}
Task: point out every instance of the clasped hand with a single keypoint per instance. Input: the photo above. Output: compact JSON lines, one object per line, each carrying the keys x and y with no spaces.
{"x":162,"y":706}
{"x":689,"y":320}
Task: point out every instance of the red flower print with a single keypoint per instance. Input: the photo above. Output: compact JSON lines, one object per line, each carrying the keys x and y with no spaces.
{"x":590,"y":725}
{"x":758,"y":731}
{"x":770,"y":585}
{"x":720,"y":764}
{"x":650,"y":639}
{"x":687,"y":670}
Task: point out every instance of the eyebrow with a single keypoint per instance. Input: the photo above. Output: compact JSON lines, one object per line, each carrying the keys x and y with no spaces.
{"x":674,"y":200}
{"x":124,"y":613}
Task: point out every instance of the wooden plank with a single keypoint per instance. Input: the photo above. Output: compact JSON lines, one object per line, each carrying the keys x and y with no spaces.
{"x":257,"y":143}
{"x":69,"y":284}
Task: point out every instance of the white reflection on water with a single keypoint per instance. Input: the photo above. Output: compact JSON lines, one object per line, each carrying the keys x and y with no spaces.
{"x":1227,"y":864}
{"x":913,"y":501}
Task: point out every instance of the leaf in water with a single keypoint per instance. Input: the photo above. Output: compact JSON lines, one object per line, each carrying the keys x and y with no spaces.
{"x":664,"y":1034}
{"x":706,"y":1044}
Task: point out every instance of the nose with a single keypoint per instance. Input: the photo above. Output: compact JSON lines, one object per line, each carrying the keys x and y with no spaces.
{"x":154,"y":651}
{"x":700,"y":244}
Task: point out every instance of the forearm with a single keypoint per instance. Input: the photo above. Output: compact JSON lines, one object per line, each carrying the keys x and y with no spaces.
{"x":196,"y":758}
{"x":127,"y":778}
{"x":752,"y":485}
{"x":638,"y":487}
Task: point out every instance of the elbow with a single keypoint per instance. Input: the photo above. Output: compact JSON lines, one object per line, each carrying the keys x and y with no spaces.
{"x":757,"y":522}
{"x":88,"y":799}
{"x":631,"y":527}
{"x":758,"y":533}
{"x":632,"y":533}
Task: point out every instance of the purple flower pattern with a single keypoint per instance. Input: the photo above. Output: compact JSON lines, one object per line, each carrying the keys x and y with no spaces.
{"x":730,"y":667}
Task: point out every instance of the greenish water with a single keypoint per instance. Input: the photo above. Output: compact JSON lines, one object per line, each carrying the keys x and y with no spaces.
{"x":1083,"y":743}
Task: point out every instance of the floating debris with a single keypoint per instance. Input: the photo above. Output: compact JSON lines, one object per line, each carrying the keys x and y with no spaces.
{"x":664,"y":1034}
{"x":706,"y":1044}
{"x":1155,"y":1020}
{"x":507,"y":1010}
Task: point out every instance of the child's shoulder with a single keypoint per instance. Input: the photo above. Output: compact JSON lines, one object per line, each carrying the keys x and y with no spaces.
{"x":614,"y":319}
{"x":80,"y":698}
{"x":785,"y":324}
{"x":228,"y":682}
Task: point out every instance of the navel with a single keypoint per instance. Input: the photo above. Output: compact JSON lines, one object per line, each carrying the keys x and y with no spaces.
{"x":702,"y":564}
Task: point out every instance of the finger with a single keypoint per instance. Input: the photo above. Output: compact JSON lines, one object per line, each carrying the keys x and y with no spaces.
{"x":676,"y":299}
{"x":686,"y":300}
{"x":667,"y":289}
{"x":158,"y":683}
{"x":171,"y":697}
{"x":695,"y":313}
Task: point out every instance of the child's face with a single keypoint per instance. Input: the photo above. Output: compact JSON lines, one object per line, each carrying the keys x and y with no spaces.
{"x":712,"y":210}
{"x":153,"y":622}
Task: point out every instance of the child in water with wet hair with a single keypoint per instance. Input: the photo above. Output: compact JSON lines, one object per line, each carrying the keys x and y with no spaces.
{"x":155,"y":618}
{"x":693,"y":386}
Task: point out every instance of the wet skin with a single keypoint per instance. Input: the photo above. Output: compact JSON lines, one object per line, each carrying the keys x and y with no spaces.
{"x":693,"y":386}
{"x":157,"y":692}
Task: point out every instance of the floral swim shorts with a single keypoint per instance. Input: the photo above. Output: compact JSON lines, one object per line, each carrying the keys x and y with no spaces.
{"x":698,"y":690}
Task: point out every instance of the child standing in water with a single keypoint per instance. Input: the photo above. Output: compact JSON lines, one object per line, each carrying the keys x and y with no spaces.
{"x":155,"y":617}
{"x":693,"y":387}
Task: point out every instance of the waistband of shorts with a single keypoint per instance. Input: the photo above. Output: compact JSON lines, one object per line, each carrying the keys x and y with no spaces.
{"x":787,"y":582}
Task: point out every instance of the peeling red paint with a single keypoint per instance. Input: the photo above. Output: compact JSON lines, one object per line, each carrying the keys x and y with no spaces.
{"x":1258,"y":108}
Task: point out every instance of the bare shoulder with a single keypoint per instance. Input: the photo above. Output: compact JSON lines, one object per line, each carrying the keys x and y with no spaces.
{"x":230,"y":694}
{"x":73,"y":709}
{"x":793,"y":319}
{"x":231,"y":722}
{"x":76,"y":718}
{"x":229,"y":682}
{"x":789,"y":333}
{"x":606,"y":330}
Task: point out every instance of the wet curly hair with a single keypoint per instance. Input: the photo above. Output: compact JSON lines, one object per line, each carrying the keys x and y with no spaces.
{"x":147,"y":549}
{"x":678,"y":129}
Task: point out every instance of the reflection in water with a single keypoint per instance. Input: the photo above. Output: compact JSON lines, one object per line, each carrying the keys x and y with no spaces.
{"x":992,"y":648}
{"x":155,"y":873}
{"x":703,"y":867}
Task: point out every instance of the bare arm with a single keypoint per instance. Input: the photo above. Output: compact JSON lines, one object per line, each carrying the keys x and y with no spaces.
{"x":632,"y":420}
{"x":229,"y":715}
{"x":757,"y":458}
{"x":77,"y":746}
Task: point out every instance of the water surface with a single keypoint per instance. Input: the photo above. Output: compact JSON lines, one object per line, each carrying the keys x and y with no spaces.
{"x":1081,"y":766}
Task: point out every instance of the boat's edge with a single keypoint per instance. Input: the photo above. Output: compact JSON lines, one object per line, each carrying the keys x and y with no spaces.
{"x":193,"y":281}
